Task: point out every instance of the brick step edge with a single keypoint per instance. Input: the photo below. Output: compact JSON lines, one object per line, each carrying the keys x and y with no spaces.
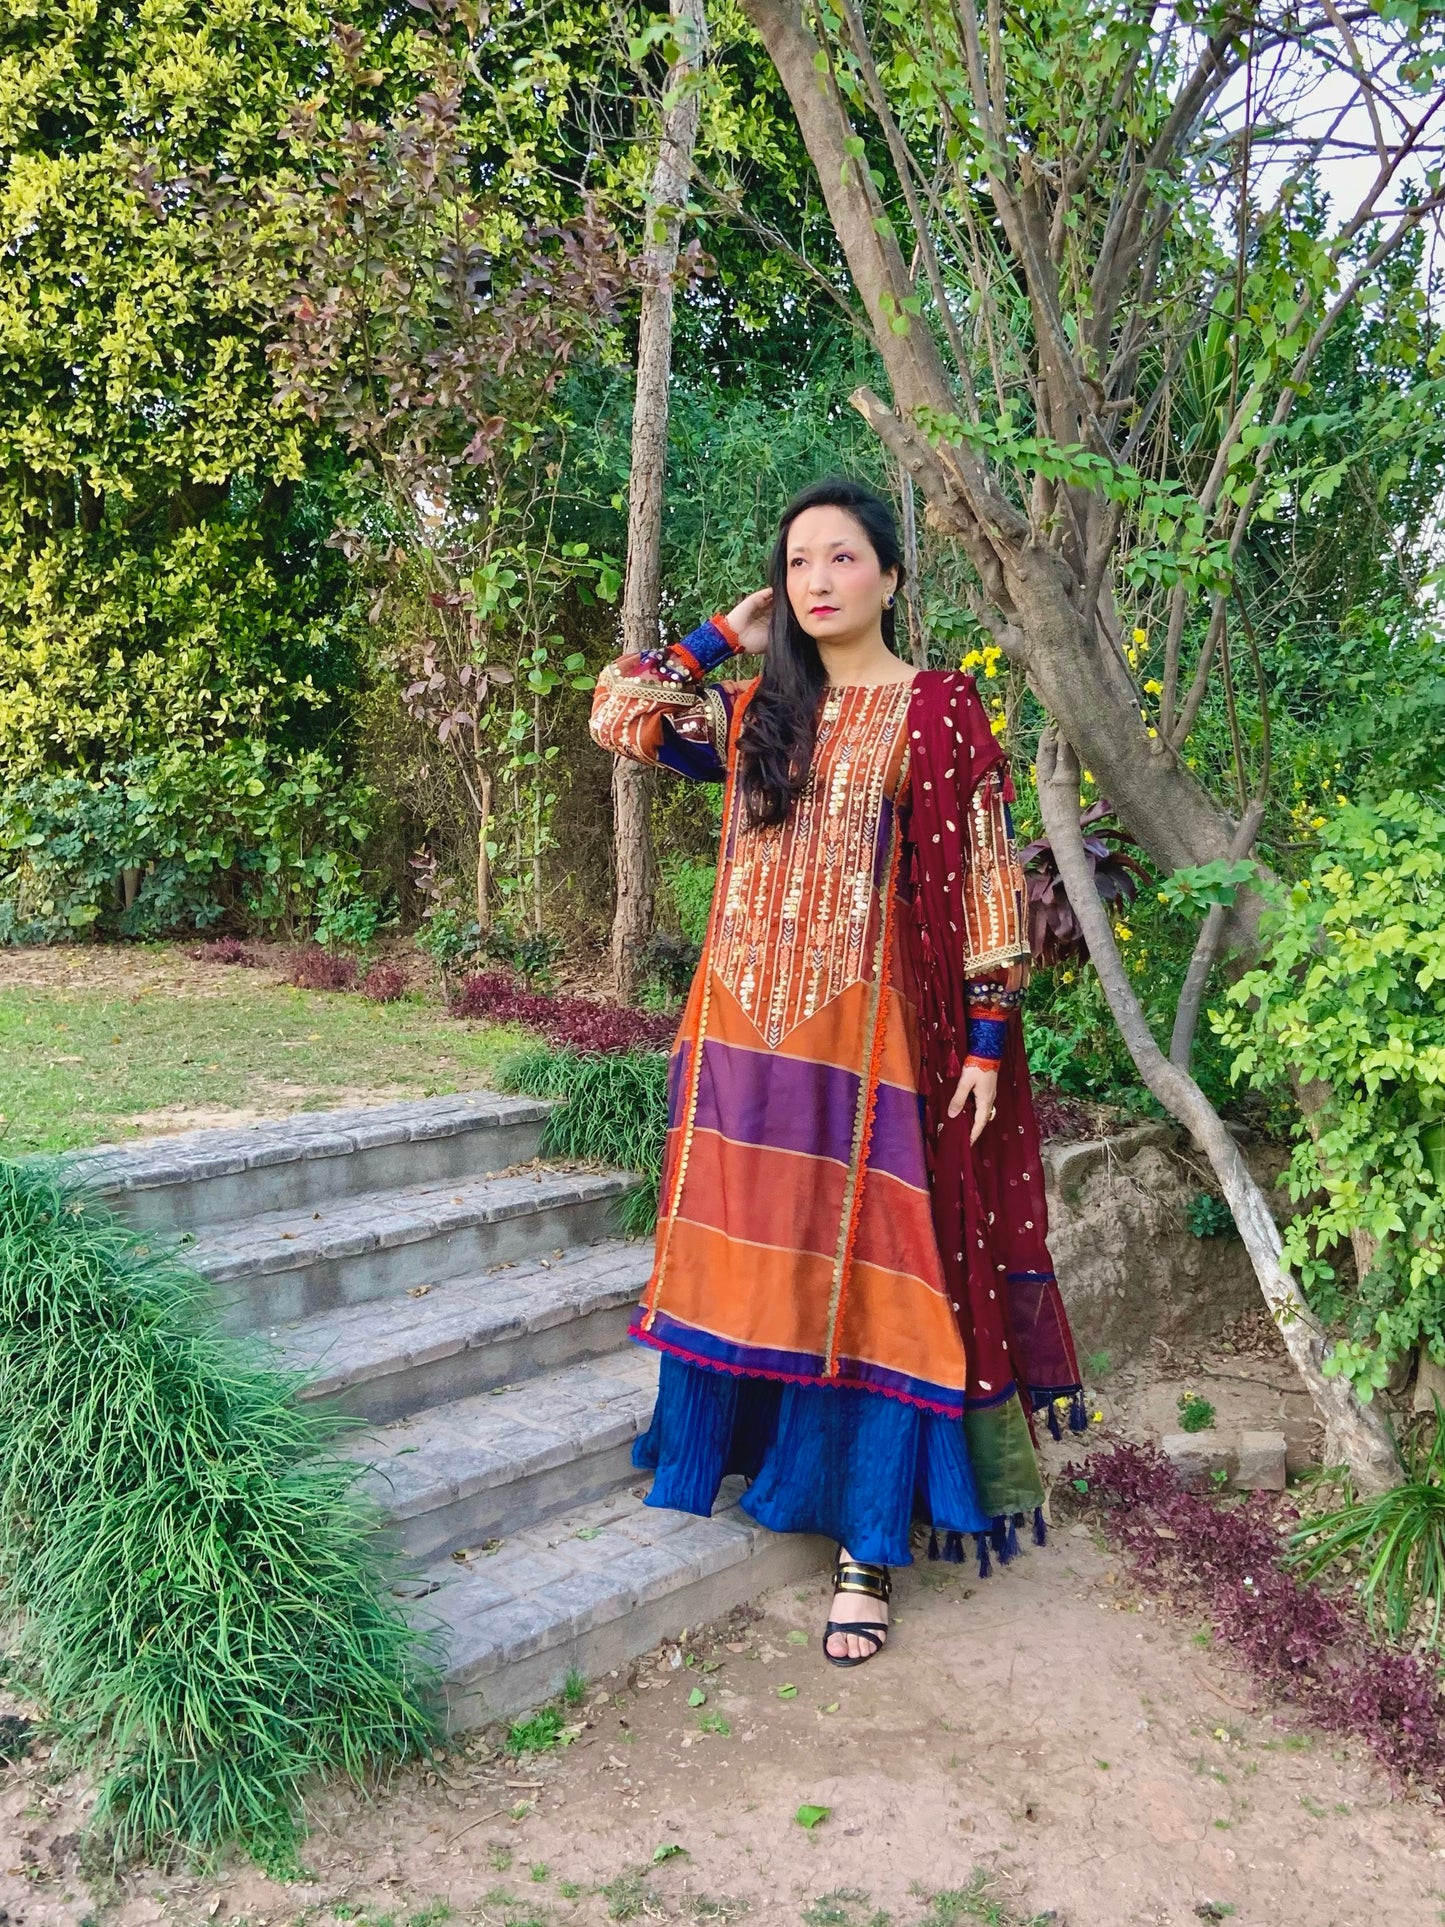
{"x":195,"y":1156}
{"x":288,"y":1240}
{"x":589,"y":1592}
{"x":345,"y":1351}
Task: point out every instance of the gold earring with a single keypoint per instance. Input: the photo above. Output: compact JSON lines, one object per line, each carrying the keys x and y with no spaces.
{"x":888,"y":601}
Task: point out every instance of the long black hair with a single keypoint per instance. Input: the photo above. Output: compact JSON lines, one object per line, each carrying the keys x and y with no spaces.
{"x":775,"y":745}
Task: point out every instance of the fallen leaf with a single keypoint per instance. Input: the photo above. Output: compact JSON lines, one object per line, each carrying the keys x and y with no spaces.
{"x":669,"y":1851}
{"x":697,"y":1697}
{"x":787,"y":1692}
{"x":418,"y":1291}
{"x":831,"y":1707}
{"x":811,"y":1817}
{"x":797,"y":1639}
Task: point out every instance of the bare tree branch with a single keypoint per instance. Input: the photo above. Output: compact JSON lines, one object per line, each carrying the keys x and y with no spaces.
{"x":1357,"y":1432}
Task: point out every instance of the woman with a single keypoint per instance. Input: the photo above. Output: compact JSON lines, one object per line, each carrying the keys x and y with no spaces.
{"x":851,"y":1292}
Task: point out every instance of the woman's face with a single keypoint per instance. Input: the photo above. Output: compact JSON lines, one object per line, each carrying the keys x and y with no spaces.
{"x":835,"y":584}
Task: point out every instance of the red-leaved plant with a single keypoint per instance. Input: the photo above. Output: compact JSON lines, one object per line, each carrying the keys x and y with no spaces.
{"x":1224,"y":1560}
{"x":222,"y":950}
{"x":384,"y":983}
{"x":1055,"y":933}
{"x":318,"y":969}
{"x":570,"y":1023}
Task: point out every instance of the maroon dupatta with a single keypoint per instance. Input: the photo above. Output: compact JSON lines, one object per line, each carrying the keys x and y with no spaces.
{"x":989,"y":1212}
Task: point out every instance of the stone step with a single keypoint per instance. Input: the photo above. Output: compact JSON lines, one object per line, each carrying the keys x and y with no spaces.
{"x":282,"y":1266}
{"x":387,"y":1359}
{"x":502,"y":1461}
{"x":589,"y":1591}
{"x":201,"y":1178}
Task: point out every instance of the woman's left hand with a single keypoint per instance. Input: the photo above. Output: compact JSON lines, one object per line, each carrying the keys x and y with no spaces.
{"x":982,"y":1086}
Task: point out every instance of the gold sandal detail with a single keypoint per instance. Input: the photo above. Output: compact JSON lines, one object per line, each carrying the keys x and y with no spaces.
{"x":856,"y":1577}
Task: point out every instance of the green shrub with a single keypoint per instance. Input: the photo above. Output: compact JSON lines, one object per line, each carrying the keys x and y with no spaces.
{"x":530,"y":956}
{"x":196,"y":1582}
{"x":1210,"y":1217}
{"x":247,"y":833}
{"x":690,"y":882}
{"x":1196,"y":1414}
{"x":1350,"y":1001}
{"x":449,"y":938}
{"x":613,"y":1111}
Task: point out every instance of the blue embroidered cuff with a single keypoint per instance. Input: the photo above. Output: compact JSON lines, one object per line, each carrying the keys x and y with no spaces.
{"x":708,"y":646}
{"x":986,"y":1038}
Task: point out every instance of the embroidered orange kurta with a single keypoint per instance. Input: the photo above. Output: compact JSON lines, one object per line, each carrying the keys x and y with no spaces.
{"x":796,"y":1238}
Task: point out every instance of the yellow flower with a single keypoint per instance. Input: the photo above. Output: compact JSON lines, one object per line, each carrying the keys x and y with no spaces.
{"x":1141,"y":635}
{"x":998,"y":724}
{"x":1317,"y":822}
{"x":1342,"y":800}
{"x":972,"y":659}
{"x":1153,"y":687}
{"x":990,"y":659}
{"x":1153,"y":732}
{"x":1098,"y":1418}
{"x":1068,"y":976}
{"x":1123,"y":932}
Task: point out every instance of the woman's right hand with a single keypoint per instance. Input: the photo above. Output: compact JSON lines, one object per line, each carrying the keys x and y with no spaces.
{"x":751,"y":621}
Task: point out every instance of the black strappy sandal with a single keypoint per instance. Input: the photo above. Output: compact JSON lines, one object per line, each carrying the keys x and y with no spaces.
{"x":869,"y":1582}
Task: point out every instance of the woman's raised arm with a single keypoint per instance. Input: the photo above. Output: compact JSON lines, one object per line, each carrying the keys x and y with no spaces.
{"x":659,"y":708}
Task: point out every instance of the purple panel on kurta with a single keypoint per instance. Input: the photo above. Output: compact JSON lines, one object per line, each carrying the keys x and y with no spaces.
{"x":882,"y":846}
{"x":790,"y":1104}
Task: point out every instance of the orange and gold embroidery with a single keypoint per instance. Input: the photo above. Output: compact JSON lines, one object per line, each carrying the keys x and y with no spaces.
{"x":815,"y":874}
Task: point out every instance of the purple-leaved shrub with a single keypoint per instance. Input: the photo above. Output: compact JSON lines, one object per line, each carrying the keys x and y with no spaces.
{"x":1223,"y":1558}
{"x":570,"y":1023}
{"x":318,"y":969}
{"x":383,"y":983}
{"x":222,"y":950}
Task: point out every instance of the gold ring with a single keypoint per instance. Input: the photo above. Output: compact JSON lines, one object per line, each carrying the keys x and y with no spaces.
{"x":993,"y":1112}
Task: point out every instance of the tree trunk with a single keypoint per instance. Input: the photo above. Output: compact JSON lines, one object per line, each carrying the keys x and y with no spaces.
{"x":484,"y":868}
{"x":635,"y":865}
{"x":912,"y":600}
{"x":1355,"y":1433}
{"x":1035,"y":605}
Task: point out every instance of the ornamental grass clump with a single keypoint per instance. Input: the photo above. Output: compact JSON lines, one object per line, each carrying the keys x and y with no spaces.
{"x":200,"y":1602}
{"x":613,"y":1110}
{"x":1396,"y":1543}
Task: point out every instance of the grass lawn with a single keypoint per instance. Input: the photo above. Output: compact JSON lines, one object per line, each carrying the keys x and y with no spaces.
{"x":158,"y":1044}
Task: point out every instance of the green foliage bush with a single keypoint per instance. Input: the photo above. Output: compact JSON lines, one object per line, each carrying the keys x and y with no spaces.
{"x":1350,"y":1001}
{"x":1209,"y":1217}
{"x":613,"y":1111}
{"x":249,"y":833}
{"x":690,"y":882}
{"x":196,"y":1582}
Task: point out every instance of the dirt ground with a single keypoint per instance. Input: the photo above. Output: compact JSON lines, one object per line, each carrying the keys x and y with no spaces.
{"x":1050,"y":1732}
